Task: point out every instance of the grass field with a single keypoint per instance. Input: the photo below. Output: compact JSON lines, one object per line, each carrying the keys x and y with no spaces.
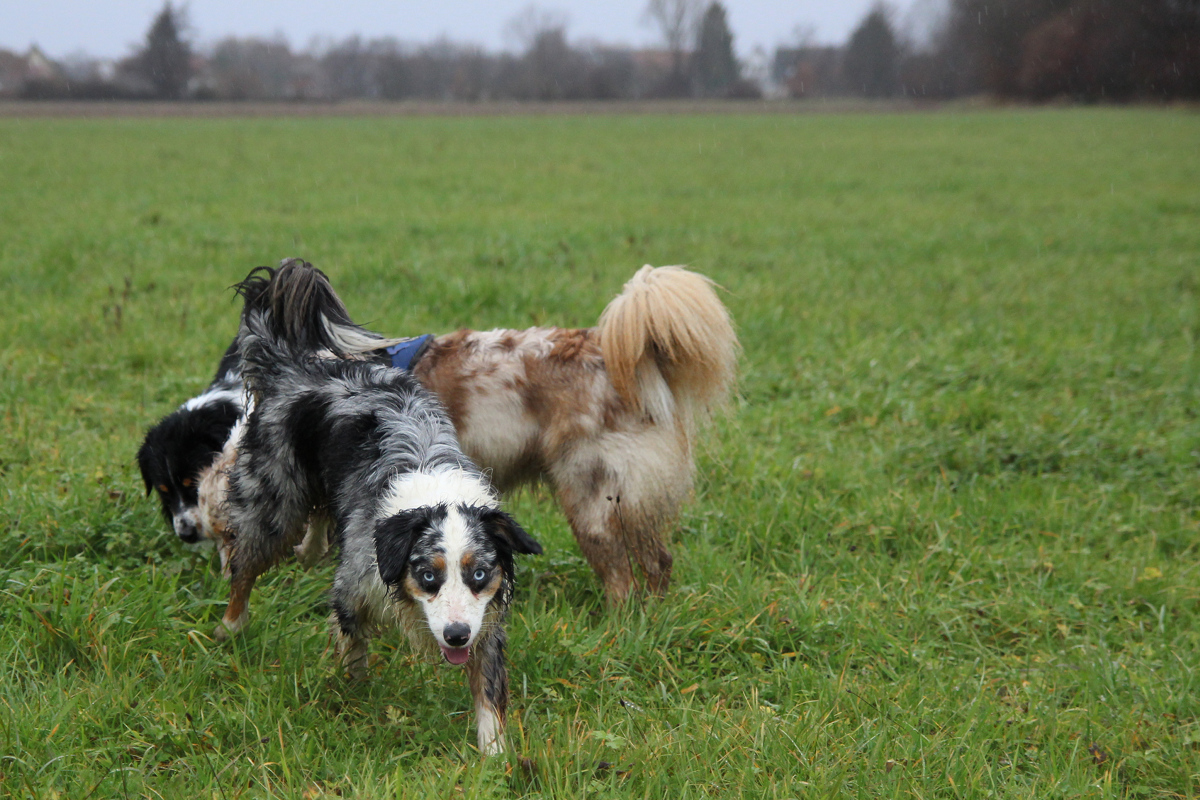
{"x":944,"y":545}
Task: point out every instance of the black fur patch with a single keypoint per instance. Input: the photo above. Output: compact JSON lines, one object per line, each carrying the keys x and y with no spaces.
{"x":501,"y":526}
{"x":499,"y":537}
{"x":179,"y":447}
{"x":395,"y":537}
{"x":305,"y":418}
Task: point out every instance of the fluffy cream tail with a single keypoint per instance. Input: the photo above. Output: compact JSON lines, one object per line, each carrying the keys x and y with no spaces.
{"x":669,"y":346}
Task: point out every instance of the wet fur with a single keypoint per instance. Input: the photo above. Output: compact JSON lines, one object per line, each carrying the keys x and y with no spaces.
{"x":607,"y":416}
{"x":371,"y":452}
{"x":178,"y":452}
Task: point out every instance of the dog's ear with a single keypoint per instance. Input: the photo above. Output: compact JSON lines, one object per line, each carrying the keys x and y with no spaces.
{"x":394,"y":538}
{"x":144,"y":458}
{"x":504,"y":527}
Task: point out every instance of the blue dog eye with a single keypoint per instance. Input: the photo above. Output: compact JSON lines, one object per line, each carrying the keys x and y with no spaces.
{"x":480,"y":574}
{"x":427,"y":576}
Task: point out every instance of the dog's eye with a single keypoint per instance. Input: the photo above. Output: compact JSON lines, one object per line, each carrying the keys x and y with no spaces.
{"x":162,"y":487}
{"x":479,"y":575}
{"x":187,"y":482}
{"x":427,"y":577}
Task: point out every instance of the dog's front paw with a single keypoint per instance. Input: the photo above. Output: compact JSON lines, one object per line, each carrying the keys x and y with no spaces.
{"x":492,"y":747}
{"x":489,"y":729}
{"x":352,"y":654}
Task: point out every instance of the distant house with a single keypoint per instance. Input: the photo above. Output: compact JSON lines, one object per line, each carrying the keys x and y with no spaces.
{"x":12,"y":73}
{"x":80,"y":68}
{"x":808,"y":71}
{"x":40,"y":68}
{"x":653,"y":60}
{"x":17,"y":71}
{"x":652,"y":69}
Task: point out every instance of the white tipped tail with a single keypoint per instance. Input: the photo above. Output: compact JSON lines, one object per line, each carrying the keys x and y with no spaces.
{"x":669,"y":345}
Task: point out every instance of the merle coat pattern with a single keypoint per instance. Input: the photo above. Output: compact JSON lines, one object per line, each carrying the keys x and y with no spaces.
{"x":423,"y":543}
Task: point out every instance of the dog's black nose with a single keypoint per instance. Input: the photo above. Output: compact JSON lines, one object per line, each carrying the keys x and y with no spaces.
{"x":187,"y":532}
{"x":457,"y":634}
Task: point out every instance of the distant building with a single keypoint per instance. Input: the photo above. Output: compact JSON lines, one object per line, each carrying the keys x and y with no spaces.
{"x":40,"y":68}
{"x":16,"y":70}
{"x":652,"y":69}
{"x":808,"y":71}
{"x":651,"y":60}
{"x":12,"y":73}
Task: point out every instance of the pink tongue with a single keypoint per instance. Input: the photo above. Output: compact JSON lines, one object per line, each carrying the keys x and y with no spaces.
{"x":456,"y":655}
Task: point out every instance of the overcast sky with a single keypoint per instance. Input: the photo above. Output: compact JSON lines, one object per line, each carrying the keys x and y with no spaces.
{"x":112,"y":27}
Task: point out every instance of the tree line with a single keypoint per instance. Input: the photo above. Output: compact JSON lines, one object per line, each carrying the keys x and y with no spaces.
{"x":700,"y":63}
{"x":1024,"y":49}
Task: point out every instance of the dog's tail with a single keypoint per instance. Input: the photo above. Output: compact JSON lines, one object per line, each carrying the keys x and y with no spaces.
{"x":669,"y":346}
{"x":290,"y":312}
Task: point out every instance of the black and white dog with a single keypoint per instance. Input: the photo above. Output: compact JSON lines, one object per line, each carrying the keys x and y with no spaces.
{"x":424,"y":545}
{"x":184,"y":444}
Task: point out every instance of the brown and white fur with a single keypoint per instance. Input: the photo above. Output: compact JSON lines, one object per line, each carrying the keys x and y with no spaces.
{"x":607,"y":416}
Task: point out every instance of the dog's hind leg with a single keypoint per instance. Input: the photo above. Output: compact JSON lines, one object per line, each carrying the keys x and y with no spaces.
{"x":643,"y":499}
{"x":641,"y":530}
{"x":656,"y":564}
{"x":488,"y":677}
{"x":616,"y":532}
{"x":603,"y":547}
{"x":245,"y":565}
{"x":590,"y":500}
{"x":251,"y":556}
{"x":316,"y":541}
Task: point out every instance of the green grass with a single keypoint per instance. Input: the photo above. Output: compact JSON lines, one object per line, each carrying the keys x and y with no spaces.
{"x":945,"y":545}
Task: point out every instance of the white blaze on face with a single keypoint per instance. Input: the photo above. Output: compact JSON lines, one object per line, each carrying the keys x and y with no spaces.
{"x":449,"y":486}
{"x":187,"y":522}
{"x":454,"y":601}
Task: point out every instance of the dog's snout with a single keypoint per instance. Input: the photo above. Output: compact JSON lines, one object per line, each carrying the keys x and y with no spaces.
{"x":457,"y":634}
{"x":187,"y":531}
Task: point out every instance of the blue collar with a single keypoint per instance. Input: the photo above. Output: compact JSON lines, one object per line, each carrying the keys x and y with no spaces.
{"x":408,"y":352}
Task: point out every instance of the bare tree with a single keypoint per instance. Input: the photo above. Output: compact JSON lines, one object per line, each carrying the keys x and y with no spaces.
{"x":250,"y":68}
{"x":677,"y":19}
{"x":532,"y":22}
{"x":548,"y":68}
{"x":924,"y":24}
